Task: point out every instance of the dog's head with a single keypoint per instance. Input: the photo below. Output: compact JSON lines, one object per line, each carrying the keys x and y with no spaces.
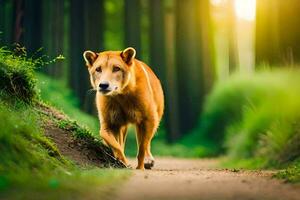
{"x":110,"y":71}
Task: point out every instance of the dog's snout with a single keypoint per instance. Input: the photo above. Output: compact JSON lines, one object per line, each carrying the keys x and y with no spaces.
{"x":104,"y":86}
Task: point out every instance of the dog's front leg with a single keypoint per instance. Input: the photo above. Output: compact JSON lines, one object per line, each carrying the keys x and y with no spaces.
{"x":109,"y":138}
{"x":145,"y":132}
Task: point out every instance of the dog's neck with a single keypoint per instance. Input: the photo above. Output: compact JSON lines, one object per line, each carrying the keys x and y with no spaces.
{"x":130,"y":86}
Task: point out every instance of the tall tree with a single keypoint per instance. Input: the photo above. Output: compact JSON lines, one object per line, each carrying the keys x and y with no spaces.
{"x":289,"y":31}
{"x":277,"y":32}
{"x":207,"y":47}
{"x":53,"y":34}
{"x":232,"y":38}
{"x":32,"y":38}
{"x":6,"y":22}
{"x":188,"y":63}
{"x":76,"y":45}
{"x":94,"y":20}
{"x":133,"y":24}
{"x":267,"y":32}
{"x":159,"y":30}
{"x":87,"y":26}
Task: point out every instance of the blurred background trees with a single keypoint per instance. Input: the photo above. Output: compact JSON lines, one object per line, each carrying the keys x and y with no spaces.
{"x":190,"y":44}
{"x":277,"y":34}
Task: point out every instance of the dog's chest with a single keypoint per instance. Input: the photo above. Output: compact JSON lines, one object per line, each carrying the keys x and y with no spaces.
{"x":125,"y":111}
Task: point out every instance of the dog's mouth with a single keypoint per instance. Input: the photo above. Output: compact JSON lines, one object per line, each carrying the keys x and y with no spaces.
{"x":104,"y":92}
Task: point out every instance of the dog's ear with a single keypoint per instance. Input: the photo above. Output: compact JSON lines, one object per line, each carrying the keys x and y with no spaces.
{"x":128,"y":55}
{"x":89,"y":58}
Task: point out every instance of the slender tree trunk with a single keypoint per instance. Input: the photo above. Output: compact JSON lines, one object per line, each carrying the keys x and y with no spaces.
{"x":94,"y":40}
{"x":232,"y":39}
{"x":76,"y":46}
{"x":289,"y":30}
{"x":267,"y":33}
{"x":133,"y":25}
{"x":6,"y":22}
{"x":33,"y":27}
{"x":55,"y":46}
{"x":188,"y":63}
{"x":207,"y":48}
{"x":170,"y":88}
{"x":277,"y":32}
{"x":18,"y":20}
{"x":158,"y":61}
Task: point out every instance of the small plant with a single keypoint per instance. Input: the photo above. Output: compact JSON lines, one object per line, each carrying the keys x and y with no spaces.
{"x":17,"y":73}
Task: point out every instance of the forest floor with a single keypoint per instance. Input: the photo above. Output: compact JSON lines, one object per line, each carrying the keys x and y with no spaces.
{"x":174,"y":178}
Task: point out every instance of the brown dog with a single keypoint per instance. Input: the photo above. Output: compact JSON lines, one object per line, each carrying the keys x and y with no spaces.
{"x":127,"y":92}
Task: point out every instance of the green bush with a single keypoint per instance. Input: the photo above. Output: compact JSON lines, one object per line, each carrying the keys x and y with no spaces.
{"x":256,"y":115}
{"x":291,"y":174}
{"x":17,"y":80}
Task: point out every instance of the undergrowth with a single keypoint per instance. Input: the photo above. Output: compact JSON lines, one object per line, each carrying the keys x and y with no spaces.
{"x":31,"y":166}
{"x":255,"y":119}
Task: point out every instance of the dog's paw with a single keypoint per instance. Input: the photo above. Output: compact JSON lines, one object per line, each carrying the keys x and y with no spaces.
{"x":149,"y":163}
{"x":129,"y":166}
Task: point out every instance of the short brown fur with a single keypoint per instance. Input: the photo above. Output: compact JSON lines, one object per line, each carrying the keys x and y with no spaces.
{"x":134,"y":96}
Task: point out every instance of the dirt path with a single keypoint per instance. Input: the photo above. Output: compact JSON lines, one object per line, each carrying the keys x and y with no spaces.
{"x":198,"y":179}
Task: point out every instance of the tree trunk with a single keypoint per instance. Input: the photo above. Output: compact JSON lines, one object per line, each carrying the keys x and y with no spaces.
{"x":54,"y":42}
{"x":6,"y":22}
{"x":267,"y":33}
{"x":170,"y":86}
{"x":188,"y":64}
{"x":232,"y":38}
{"x":289,"y":30}
{"x":94,"y":40}
{"x":76,"y":46}
{"x":158,"y":63}
{"x":33,"y":27}
{"x":207,"y":48}
{"x":87,"y":27}
{"x":133,"y":25}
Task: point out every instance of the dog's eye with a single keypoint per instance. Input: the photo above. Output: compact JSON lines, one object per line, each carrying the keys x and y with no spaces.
{"x":98,"y":69}
{"x":116,"y":69}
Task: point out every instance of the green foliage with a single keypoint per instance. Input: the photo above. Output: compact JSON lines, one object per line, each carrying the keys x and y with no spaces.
{"x":17,"y":81}
{"x":17,"y":74}
{"x":57,"y":94}
{"x":31,"y":164}
{"x":291,"y":174}
{"x":257,"y":116}
{"x":24,"y":149}
{"x":114,"y":25}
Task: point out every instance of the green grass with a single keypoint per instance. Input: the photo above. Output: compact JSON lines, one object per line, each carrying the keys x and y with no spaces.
{"x":291,"y":174}
{"x":31,"y":166}
{"x":17,"y":81}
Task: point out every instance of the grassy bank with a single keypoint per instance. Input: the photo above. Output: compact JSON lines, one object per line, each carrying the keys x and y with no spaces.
{"x":31,"y":164}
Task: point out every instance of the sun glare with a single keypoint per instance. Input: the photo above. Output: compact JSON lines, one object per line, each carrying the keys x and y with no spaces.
{"x":245,"y":9}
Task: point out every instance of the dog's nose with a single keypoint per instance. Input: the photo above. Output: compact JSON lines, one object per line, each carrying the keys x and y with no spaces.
{"x":103,"y":86}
